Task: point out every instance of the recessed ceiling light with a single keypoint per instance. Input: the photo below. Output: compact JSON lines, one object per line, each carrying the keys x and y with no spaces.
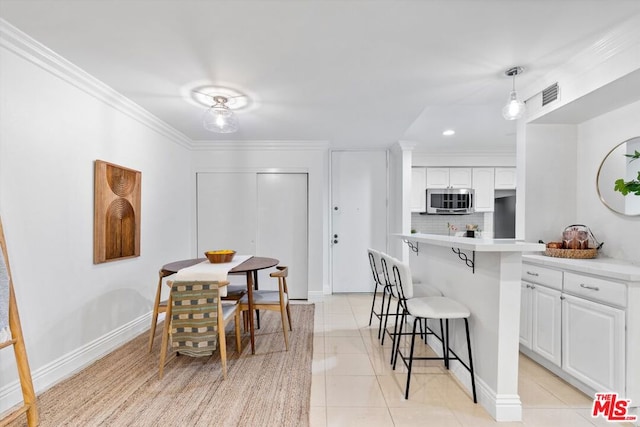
{"x":449,"y":132}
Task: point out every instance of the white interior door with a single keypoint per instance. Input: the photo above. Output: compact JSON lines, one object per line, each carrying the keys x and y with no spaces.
{"x":359,"y":216}
{"x":226,"y":210}
{"x":282,"y":228}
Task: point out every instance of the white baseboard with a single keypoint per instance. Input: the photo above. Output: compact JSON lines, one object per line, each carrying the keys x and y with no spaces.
{"x":67,"y":365}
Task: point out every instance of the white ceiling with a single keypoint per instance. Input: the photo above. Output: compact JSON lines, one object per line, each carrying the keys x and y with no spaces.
{"x":355,"y":73}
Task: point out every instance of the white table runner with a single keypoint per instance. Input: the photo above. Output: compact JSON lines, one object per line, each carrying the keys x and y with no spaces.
{"x":208,"y":271}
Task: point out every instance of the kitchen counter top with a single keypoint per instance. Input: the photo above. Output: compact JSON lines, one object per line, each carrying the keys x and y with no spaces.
{"x":601,"y":266}
{"x":473,"y":244}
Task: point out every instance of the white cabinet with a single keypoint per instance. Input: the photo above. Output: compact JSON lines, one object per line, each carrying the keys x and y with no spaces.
{"x":449,"y":177}
{"x":546,"y":323}
{"x":593,"y":343}
{"x":505,"y":178}
{"x":482,"y":183}
{"x":525,"y":314}
{"x":540,"y":321}
{"x":580,"y":323}
{"x":418,"y":189}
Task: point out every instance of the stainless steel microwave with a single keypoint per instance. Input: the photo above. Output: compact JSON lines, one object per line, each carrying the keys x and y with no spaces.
{"x":450,"y":201}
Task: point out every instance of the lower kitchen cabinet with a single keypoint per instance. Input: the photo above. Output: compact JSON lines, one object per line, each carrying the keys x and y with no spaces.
{"x":547,"y":321}
{"x":541,"y":321}
{"x":578,"y":319}
{"x":593,"y":343}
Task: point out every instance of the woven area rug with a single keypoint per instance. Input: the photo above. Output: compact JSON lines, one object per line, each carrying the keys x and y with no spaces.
{"x":270,"y":388}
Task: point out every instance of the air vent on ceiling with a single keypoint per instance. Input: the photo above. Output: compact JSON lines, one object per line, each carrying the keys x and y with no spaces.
{"x":550,"y":94}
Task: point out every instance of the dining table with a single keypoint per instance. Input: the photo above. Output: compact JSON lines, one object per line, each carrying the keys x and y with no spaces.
{"x":250,"y":267}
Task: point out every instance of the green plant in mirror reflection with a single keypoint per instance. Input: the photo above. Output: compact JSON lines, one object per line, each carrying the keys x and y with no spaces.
{"x":629,"y":186}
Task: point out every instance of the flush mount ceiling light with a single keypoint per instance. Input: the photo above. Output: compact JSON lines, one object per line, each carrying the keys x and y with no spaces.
{"x":514,"y":109}
{"x":449,"y":132}
{"x":221,"y":103}
{"x":219,"y":118}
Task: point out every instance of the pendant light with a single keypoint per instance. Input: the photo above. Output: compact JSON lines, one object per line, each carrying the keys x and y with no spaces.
{"x":514,"y":109}
{"x":219,"y":118}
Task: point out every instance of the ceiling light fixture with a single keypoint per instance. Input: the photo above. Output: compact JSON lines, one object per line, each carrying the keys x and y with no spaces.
{"x":219,"y":118}
{"x":514,"y":108}
{"x":449,"y":132}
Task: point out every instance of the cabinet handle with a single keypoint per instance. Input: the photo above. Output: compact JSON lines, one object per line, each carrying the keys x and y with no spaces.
{"x":593,"y":288}
{"x":532,"y":274}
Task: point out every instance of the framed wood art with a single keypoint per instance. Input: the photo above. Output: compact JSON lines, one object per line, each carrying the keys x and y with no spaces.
{"x":116,"y":222}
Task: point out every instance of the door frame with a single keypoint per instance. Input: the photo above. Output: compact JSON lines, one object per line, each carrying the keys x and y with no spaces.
{"x":330,"y":206}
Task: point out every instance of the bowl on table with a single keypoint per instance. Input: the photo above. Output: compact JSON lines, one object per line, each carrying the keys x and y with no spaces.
{"x":219,"y":256}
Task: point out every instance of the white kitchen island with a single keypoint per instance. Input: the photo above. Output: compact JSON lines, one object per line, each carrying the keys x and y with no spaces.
{"x":483,"y":274}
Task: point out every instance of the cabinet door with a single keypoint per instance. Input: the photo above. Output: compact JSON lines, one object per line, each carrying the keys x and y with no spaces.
{"x":437,"y":177}
{"x":505,"y":178}
{"x":460,"y":177}
{"x":593,"y":343}
{"x":418,"y":187}
{"x":547,"y":323}
{"x":525,"y":315}
{"x":483,"y":181}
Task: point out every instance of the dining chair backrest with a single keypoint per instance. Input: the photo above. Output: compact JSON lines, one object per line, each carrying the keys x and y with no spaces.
{"x":195,"y":307}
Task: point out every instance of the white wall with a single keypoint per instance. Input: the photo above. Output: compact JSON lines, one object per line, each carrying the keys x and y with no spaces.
{"x":311,"y":158}
{"x":596,"y":137}
{"x":550,"y":188}
{"x":54,"y":122}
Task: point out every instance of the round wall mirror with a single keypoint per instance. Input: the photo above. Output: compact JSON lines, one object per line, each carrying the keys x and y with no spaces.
{"x":618,"y":174}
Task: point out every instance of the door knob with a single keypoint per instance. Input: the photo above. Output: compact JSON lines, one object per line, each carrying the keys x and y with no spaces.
{"x":335,"y":236}
{"x":335,"y":241}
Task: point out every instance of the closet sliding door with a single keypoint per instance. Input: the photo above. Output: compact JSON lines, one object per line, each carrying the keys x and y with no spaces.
{"x":263,"y":214}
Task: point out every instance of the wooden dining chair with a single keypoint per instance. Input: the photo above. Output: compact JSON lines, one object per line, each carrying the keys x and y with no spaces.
{"x":195,"y":321}
{"x":273,"y":300}
{"x":159,"y":306}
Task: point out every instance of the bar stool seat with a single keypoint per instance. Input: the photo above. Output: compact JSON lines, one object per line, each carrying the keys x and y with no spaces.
{"x":437,"y":307}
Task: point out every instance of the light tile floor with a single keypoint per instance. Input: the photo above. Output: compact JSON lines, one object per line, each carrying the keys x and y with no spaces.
{"x":354,"y":385}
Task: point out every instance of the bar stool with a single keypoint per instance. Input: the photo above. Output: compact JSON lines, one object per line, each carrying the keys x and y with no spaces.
{"x":376,"y":272}
{"x":422,"y":308}
{"x":420,"y":290}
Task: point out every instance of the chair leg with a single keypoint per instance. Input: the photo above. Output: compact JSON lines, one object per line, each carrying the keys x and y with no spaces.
{"x":222,"y":343}
{"x":397,"y":334}
{"x":396,"y":344}
{"x":154,"y":316}
{"x":473,"y":377}
{"x":165,"y":338}
{"x":413,"y":342}
{"x":446,"y":346}
{"x":386,"y":318}
{"x":238,"y":337}
{"x":442,"y":335}
{"x":283,"y":315}
{"x":384,"y":294}
{"x":373,"y":303}
{"x":289,"y":317}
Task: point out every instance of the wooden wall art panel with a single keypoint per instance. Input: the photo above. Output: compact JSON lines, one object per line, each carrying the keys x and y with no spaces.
{"x":116,"y":223}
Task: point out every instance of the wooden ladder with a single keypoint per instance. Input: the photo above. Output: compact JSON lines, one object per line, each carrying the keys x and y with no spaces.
{"x":29,"y":397}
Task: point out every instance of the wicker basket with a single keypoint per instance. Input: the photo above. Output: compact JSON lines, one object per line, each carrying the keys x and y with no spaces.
{"x":572,"y":253}
{"x":220,"y":256}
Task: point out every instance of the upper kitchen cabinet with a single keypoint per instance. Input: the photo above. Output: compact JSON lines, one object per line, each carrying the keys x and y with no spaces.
{"x":448,"y":177}
{"x":505,"y":178}
{"x":483,"y":181}
{"x":418,"y":187}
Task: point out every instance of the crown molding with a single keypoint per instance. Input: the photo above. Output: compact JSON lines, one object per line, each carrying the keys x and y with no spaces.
{"x":259,"y":145}
{"x":33,"y":51}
